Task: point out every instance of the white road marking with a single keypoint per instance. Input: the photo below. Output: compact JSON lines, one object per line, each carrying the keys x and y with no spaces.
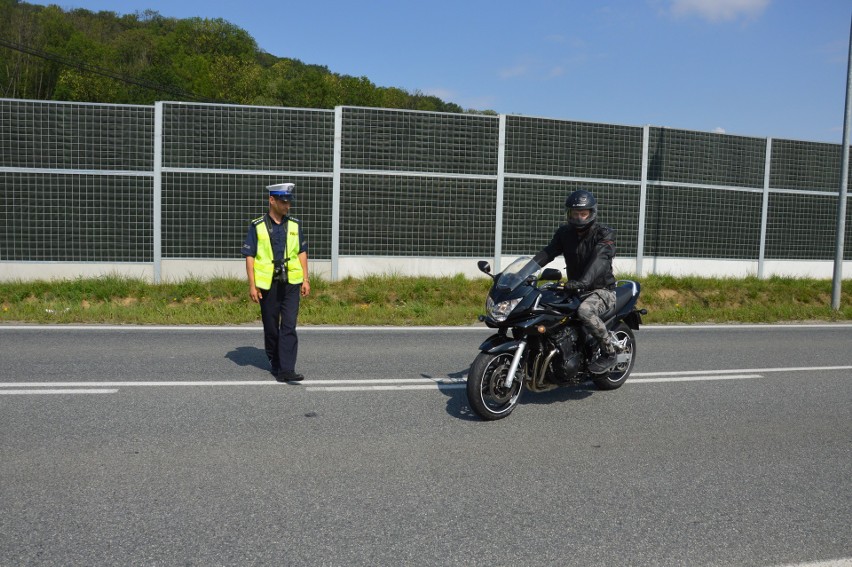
{"x":270,"y":382}
{"x":57,"y":392}
{"x":740,"y":371}
{"x":368,"y":385}
{"x":379,"y":384}
{"x":432,"y":381}
{"x":252,"y":328}
{"x":842,"y":562}
{"x":433,"y":386}
{"x":703,"y":378}
{"x":140,"y":384}
{"x":395,"y":329}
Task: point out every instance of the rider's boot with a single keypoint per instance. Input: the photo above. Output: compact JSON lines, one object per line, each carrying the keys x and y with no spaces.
{"x":606,"y":358}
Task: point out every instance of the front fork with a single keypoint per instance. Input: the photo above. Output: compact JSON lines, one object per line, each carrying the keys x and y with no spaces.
{"x":516,"y":361}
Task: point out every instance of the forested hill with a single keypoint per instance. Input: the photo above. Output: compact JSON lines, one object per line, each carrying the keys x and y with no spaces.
{"x":47,"y":53}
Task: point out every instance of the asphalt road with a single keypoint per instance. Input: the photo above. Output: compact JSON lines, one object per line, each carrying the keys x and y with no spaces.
{"x":130,"y":446}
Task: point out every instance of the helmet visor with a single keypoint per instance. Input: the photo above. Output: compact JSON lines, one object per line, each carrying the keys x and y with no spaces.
{"x":581,"y":215}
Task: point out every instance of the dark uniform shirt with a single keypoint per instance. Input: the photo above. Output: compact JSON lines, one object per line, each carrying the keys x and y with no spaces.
{"x":279,"y":239}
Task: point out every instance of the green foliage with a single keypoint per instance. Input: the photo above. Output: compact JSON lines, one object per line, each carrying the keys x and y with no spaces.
{"x":400,"y":300}
{"x":748,"y":300}
{"x":47,"y":53}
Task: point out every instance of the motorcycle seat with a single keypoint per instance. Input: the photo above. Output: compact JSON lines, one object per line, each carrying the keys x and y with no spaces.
{"x":623,"y":296}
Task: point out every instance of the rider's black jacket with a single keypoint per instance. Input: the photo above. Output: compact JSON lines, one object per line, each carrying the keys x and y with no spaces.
{"x":588,"y":255}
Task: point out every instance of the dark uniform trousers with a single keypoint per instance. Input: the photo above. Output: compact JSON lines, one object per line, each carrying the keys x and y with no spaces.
{"x":279,"y":308}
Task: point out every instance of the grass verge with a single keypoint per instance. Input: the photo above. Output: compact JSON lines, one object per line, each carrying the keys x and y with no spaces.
{"x":397,"y":300}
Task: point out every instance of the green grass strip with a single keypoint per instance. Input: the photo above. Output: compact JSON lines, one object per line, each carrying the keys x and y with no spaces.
{"x":398,"y":300}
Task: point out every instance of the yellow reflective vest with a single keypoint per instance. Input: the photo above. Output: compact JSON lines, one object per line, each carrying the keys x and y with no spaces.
{"x":264,"y":265}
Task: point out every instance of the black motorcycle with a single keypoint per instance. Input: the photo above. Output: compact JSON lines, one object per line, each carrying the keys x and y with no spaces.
{"x":548,"y":346}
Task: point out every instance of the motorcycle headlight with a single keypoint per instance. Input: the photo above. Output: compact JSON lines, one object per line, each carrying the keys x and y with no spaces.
{"x":499,"y":311}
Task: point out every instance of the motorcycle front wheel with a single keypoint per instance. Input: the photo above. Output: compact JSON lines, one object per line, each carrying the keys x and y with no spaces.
{"x":486,"y":386}
{"x":626,"y":356}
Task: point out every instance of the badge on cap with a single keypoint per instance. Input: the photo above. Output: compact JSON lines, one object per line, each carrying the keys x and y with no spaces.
{"x":282,"y":190}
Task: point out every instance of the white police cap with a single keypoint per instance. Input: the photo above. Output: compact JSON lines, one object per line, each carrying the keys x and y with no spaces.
{"x":282,"y":190}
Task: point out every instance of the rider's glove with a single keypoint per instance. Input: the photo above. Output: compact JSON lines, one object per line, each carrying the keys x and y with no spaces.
{"x":574,"y":285}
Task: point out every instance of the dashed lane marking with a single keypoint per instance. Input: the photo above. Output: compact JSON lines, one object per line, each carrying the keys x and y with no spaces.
{"x":384,"y":384}
{"x":54,"y":391}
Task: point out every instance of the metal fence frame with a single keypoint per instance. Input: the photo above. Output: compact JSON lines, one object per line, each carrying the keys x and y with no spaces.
{"x":337,"y":267}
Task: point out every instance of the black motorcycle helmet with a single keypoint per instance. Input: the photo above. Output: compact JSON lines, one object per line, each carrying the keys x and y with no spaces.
{"x":581,"y":200}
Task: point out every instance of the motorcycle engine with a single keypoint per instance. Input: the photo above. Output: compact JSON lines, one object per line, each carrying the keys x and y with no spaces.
{"x":570,"y":358}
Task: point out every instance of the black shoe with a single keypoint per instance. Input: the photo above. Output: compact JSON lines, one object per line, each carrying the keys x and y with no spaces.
{"x":289,"y":377}
{"x":603,"y":363}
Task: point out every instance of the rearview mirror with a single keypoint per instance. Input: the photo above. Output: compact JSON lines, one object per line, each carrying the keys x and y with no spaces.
{"x":484,"y":267}
{"x":551,"y":274}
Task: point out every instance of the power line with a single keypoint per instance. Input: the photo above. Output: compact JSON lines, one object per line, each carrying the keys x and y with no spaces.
{"x":86,"y":67}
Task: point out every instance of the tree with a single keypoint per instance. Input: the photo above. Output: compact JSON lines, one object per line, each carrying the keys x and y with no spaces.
{"x":358,"y":91}
{"x":49,"y":53}
{"x":235,"y":80}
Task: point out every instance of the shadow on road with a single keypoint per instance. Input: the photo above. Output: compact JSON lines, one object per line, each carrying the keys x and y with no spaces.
{"x":249,"y":356}
{"x":563,"y":394}
{"x":458,"y":406}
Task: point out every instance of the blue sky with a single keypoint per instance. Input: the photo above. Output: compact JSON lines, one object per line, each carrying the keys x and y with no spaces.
{"x":768,"y":68}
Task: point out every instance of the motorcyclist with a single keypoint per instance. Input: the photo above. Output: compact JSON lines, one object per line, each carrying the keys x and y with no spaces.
{"x":588,"y":248}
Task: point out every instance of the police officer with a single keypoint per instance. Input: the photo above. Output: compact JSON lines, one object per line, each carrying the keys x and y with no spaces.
{"x":277,"y":267}
{"x":588,"y":248}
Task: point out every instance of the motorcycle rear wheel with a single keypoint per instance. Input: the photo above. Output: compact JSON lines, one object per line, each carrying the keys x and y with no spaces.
{"x":618,"y":375}
{"x":486,"y":390}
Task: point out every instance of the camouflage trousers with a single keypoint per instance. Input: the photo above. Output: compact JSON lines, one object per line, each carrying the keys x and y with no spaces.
{"x":590,"y":311}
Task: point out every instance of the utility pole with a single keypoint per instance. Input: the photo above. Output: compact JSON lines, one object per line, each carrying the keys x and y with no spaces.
{"x":844,"y":174}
